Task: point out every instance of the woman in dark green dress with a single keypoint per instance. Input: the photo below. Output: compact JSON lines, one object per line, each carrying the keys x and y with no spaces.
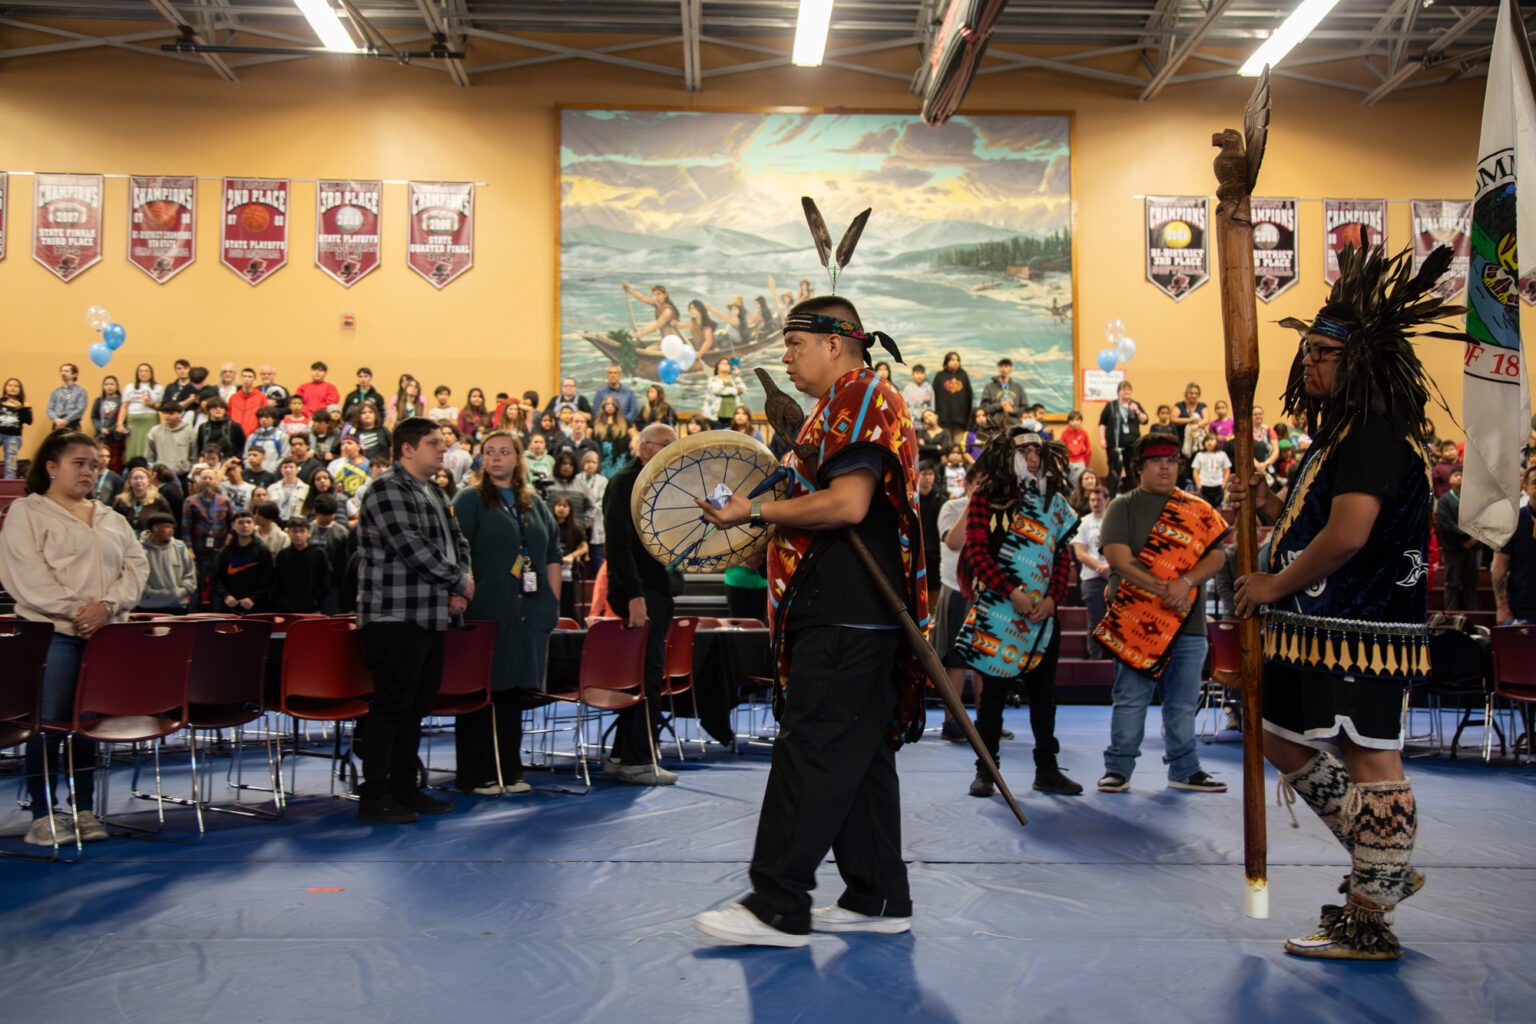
{"x":515,"y":548}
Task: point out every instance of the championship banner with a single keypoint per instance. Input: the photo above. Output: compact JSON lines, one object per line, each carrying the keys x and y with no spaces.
{"x":1438,"y":222}
{"x":442,"y":235}
{"x":253,"y":240}
{"x":5,"y":180}
{"x":162,"y":235}
{"x":347,"y":228}
{"x":1358,"y":222}
{"x":1275,"y":266}
{"x":1495,"y":396}
{"x":1178,"y":261}
{"x":66,"y":223}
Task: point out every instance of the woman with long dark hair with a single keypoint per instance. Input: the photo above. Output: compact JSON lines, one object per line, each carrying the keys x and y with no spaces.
{"x":15,"y":416}
{"x":657,"y":408}
{"x":515,"y":550}
{"x":474,"y":418}
{"x":613,"y":435}
{"x":952,"y":397}
{"x":139,"y":413}
{"x":104,"y":412}
{"x":701,"y":327}
{"x":69,"y":560}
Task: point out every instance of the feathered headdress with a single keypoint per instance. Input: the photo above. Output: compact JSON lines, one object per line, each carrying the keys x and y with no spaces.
{"x":1376,"y":308}
{"x":994,"y":468}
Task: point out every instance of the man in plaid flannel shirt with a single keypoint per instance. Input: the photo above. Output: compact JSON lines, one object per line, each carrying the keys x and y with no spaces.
{"x":414,"y":575}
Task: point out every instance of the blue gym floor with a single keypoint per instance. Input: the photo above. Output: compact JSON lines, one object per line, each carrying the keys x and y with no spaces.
{"x":554,"y":907}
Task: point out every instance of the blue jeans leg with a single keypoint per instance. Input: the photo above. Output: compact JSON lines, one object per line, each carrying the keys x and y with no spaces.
{"x":1181,"y":695}
{"x":64,"y":654}
{"x":11,"y":446}
{"x":1127,"y":719}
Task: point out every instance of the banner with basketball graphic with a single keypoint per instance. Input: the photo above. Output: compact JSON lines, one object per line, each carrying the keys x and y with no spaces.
{"x":1275,"y":266}
{"x":347,"y":228}
{"x":1178,"y":260}
{"x":162,"y":237}
{"x":253,"y":238}
{"x":5,"y":180}
{"x":66,"y":223}
{"x":1358,"y":222}
{"x":1438,"y":222}
{"x":441,"y":245}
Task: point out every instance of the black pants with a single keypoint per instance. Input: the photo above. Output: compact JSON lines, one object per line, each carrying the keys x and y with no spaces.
{"x":407,"y":666}
{"x":1040,"y":685}
{"x":1460,"y":576}
{"x":473,"y":747}
{"x":1215,"y":497}
{"x":634,"y":737}
{"x":747,"y":602}
{"x":833,"y":781}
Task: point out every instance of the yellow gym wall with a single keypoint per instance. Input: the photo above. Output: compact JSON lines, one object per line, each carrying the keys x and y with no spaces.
{"x":102,"y":111}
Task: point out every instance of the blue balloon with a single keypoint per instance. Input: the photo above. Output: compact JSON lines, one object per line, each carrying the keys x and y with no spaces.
{"x":1108,"y":359}
{"x":114,"y":336}
{"x":669,"y":371}
{"x":735,"y":363}
{"x":101,"y":355}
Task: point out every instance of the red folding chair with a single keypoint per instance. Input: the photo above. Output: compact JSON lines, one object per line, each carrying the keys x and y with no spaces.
{"x":612,"y":678}
{"x":324,"y":679}
{"x":677,"y":676}
{"x":569,"y":624}
{"x":24,"y":652}
{"x":468,"y":653}
{"x":1514,"y":679}
{"x":117,"y":701}
{"x":734,"y":624}
{"x":1225,"y":659}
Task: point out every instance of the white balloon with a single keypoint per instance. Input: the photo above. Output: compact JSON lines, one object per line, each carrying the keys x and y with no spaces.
{"x":672,"y":346}
{"x":1127,"y":349}
{"x":687,"y":357}
{"x":98,"y":317}
{"x":1114,"y":330}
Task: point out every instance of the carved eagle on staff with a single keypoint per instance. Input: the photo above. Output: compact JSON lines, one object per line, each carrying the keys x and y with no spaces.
{"x":1237,"y":165}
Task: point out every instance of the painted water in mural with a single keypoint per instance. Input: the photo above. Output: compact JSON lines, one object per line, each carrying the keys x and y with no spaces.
{"x":968,"y":249}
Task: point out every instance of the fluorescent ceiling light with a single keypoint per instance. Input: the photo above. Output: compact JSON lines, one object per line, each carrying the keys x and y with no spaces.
{"x":1296,"y":28}
{"x":811,"y":32}
{"x":333,"y":34}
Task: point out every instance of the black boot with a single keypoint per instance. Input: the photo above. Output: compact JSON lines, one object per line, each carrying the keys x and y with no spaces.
{"x":1049,"y":779}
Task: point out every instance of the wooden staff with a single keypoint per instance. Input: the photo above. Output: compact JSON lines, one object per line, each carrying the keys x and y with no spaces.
{"x":1237,"y":171}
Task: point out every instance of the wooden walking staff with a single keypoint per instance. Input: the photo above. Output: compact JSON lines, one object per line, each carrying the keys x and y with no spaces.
{"x":1237,"y":171}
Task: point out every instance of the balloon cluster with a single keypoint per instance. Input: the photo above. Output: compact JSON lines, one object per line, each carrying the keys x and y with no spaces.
{"x":677,"y":358}
{"x":1121,"y":349}
{"x":112,"y":335}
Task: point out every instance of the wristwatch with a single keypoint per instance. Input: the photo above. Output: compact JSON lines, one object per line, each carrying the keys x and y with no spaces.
{"x":756,"y":518}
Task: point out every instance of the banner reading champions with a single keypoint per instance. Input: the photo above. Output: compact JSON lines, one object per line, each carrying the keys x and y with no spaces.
{"x":442,"y":231}
{"x":1178,"y":260}
{"x":66,"y":223}
{"x":1438,"y":222}
{"x":1361,"y":223}
{"x":347,"y":228}
{"x":253,"y":238}
{"x":162,"y":235}
{"x":1274,"y":246}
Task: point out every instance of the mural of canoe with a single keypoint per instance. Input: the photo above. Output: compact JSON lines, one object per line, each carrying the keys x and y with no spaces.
{"x":648,"y":359}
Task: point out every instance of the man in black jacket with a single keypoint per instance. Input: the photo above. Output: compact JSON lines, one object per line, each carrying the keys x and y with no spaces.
{"x":641,"y":590}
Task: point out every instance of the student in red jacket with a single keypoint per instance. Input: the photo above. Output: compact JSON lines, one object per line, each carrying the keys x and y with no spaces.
{"x":319,"y":393}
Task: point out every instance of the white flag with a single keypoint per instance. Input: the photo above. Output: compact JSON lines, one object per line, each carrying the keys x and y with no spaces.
{"x":1496,"y":402}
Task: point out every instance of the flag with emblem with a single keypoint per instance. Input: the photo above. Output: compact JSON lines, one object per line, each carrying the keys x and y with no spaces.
{"x":1495,"y":397}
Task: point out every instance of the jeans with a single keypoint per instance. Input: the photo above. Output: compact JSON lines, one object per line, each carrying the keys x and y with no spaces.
{"x":1181,"y":693}
{"x":1093,"y":600}
{"x":63,"y":666}
{"x":10,"y":444}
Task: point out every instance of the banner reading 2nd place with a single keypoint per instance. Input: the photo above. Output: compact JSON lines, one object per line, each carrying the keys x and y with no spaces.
{"x":66,"y":223}
{"x":347,"y":228}
{"x":442,"y":231}
{"x":253,"y":236}
{"x":162,"y":235}
{"x":1178,"y":260}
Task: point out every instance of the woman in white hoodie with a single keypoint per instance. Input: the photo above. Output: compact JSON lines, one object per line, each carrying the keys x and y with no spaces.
{"x":70,"y":560}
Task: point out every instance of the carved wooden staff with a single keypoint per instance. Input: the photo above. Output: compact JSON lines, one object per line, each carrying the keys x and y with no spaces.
{"x":1237,"y":171}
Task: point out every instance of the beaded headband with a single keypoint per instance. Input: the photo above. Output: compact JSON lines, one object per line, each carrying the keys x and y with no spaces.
{"x":816,"y":323}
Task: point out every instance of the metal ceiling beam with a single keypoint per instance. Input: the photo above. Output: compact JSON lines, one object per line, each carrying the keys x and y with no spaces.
{"x":570,"y":51}
{"x":1170,"y":67}
{"x":692,"y":14}
{"x":109,"y":41}
{"x":439,"y":30}
{"x":551,"y":58}
{"x":1019,"y":61}
{"x":781,"y":58}
{"x":213,"y":60}
{"x":80,"y":44}
{"x":1408,"y":69}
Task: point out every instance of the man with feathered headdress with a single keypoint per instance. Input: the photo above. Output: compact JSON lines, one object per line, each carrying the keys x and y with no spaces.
{"x":1345,"y":595}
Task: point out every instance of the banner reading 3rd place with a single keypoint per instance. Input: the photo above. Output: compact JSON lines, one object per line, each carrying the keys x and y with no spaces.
{"x":253,"y":237}
{"x":347,"y":228}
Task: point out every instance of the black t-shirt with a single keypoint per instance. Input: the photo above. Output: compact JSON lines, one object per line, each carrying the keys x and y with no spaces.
{"x":1521,"y":550}
{"x":1373,"y":459}
{"x":928,"y":506}
{"x":177,"y":393}
{"x":1122,"y":424}
{"x":838,"y":590}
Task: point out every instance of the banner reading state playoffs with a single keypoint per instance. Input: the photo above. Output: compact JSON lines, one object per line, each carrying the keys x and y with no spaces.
{"x":1274,"y":246}
{"x":347,"y":228}
{"x":442,"y":233}
{"x":66,"y":223}
{"x":1361,"y":223}
{"x":253,"y":239}
{"x":162,"y":238}
{"x":1438,"y":222}
{"x":1178,"y":261}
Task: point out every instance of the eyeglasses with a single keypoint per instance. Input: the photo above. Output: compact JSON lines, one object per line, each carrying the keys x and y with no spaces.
{"x":1318,"y":352}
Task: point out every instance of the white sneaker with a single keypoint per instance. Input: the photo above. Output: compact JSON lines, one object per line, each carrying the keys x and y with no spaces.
{"x":488,"y":789}
{"x":642,"y":775}
{"x":91,"y":828}
{"x":517,"y":787}
{"x":840,"y":919}
{"x":42,"y":832}
{"x":739,"y":925}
